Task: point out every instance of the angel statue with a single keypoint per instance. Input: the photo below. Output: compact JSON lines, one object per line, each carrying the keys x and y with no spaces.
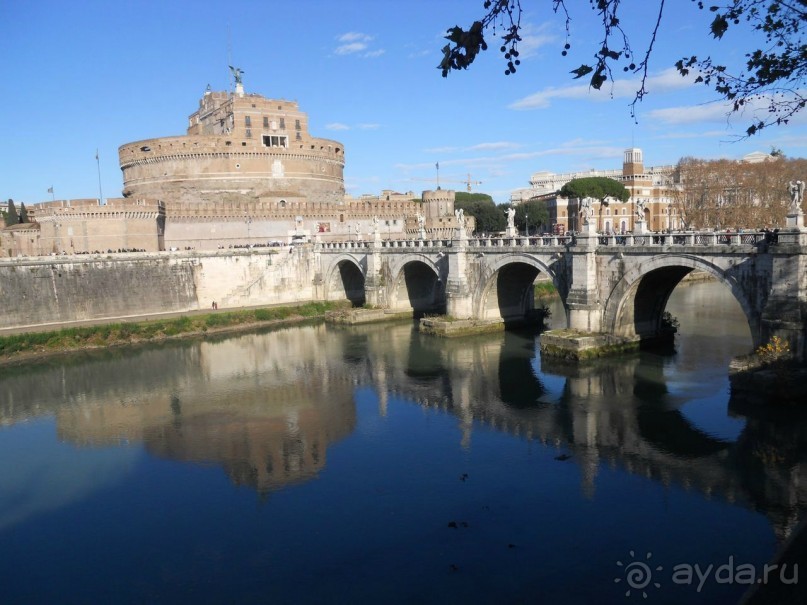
{"x":421,"y":220}
{"x":375,"y":224}
{"x":796,"y":195}
{"x":641,"y":206}
{"x":237,"y":73}
{"x":587,"y":208}
{"x":460,"y":214}
{"x":511,"y":217}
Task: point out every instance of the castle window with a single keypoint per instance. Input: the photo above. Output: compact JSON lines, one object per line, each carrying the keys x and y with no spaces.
{"x":265,"y":122}
{"x":248,"y":121}
{"x":275,"y":141}
{"x":282,"y":123}
{"x":282,"y":203}
{"x":296,"y":124}
{"x":298,"y":137}
{"x":249,"y":134}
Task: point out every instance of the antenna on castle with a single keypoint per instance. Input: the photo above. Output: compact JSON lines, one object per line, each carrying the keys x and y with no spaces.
{"x":229,"y":46}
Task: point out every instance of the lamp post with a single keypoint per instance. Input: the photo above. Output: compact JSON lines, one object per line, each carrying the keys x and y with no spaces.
{"x":527,"y":223}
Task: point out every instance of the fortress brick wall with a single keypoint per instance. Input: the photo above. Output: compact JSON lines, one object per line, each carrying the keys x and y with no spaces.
{"x":211,"y":225}
{"x":237,"y":145}
{"x":61,"y":290}
{"x":81,"y":226}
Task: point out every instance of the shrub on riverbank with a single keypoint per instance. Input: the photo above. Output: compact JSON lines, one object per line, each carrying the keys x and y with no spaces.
{"x":545,"y":289}
{"x":118,"y":333}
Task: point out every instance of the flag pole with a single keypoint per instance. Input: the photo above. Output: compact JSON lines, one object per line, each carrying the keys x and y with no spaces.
{"x":100,"y":192}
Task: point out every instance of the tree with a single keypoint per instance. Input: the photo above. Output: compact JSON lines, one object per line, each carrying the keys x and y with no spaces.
{"x":535,"y":211}
{"x":773,"y":76}
{"x":599,"y":187}
{"x":481,"y":207}
{"x":11,"y":215}
{"x":23,"y":214}
{"x":725,"y":193}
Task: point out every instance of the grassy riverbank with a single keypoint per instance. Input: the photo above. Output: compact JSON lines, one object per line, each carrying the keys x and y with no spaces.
{"x":545,"y":289}
{"x":32,"y":344}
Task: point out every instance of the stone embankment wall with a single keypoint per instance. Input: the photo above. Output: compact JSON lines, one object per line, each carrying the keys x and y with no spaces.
{"x":64,"y":289}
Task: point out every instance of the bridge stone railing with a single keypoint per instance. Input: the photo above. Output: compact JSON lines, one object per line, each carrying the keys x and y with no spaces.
{"x":675,"y":238}
{"x":403,"y":244}
{"x":684,"y":238}
{"x":520,"y":241}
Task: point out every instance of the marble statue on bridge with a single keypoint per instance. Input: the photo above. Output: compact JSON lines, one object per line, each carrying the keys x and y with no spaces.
{"x":796,"y":196}
{"x":641,"y":207}
{"x":587,"y":209}
{"x":511,"y":217}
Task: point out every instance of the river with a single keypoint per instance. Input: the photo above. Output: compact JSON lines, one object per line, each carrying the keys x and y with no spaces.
{"x":371,"y":464}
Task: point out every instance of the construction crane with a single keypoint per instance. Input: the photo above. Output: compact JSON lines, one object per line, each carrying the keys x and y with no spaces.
{"x":467,"y":181}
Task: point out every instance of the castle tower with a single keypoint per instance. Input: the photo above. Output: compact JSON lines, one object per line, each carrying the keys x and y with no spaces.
{"x":632,"y":164}
{"x":238,"y":147}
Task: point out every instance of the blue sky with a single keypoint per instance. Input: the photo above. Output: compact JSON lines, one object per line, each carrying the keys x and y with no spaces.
{"x":87,"y":75}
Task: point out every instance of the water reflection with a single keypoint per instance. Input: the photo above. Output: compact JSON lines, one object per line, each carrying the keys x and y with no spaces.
{"x":371,"y":431}
{"x":266,"y":408}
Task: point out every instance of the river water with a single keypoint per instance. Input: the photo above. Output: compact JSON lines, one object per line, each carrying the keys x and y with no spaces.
{"x":371,"y":464}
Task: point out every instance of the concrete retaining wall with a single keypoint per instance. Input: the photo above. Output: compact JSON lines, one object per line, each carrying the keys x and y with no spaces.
{"x":63,"y":289}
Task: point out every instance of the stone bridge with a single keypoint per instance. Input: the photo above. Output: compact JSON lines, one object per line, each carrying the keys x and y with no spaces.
{"x":614,"y":284}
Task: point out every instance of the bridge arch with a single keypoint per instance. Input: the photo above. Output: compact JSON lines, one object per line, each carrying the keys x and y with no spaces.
{"x":505,"y":290}
{"x":636,"y":304}
{"x":416,"y":283}
{"x":345,"y":280}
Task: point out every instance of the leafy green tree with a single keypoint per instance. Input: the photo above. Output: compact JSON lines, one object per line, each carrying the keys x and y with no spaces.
{"x":534,"y":211}
{"x":773,"y":77}
{"x":482,"y":208}
{"x":598,"y":187}
{"x":23,"y":214}
{"x":11,"y":215}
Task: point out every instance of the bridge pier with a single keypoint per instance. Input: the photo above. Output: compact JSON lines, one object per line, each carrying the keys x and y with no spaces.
{"x":459,"y":302}
{"x":585,"y":310}
{"x":374,"y":286}
{"x":785,"y":312}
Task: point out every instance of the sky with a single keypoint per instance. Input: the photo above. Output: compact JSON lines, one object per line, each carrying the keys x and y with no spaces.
{"x":86,"y":77}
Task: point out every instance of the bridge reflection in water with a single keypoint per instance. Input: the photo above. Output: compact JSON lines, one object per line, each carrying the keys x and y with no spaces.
{"x":267,"y":407}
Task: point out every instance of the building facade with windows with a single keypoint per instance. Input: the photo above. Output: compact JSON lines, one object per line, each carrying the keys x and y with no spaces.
{"x":238,"y":147}
{"x":651,"y":195}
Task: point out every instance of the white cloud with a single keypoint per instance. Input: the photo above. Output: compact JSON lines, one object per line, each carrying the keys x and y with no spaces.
{"x":341,"y":126}
{"x":533,"y":38}
{"x":693,"y":135}
{"x":354,"y":37}
{"x":665,"y":81}
{"x":493,"y":146}
{"x":692,"y":114}
{"x":357,"y":43}
{"x":351,"y":48}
